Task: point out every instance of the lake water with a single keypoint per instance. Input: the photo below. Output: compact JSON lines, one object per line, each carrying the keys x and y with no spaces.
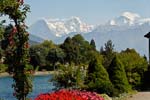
{"x":41,"y":84}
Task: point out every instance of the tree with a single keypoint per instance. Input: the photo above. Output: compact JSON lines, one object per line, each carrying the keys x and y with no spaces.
{"x":70,"y":50}
{"x":77,"y":49}
{"x":15,"y":44}
{"x":69,"y":76}
{"x":55,"y":55}
{"x":109,"y":46}
{"x":97,"y":77}
{"x":82,"y":47}
{"x":92,"y":43}
{"x":34,"y":58}
{"x":118,"y":77}
{"x":39,"y":52}
{"x":108,"y":53}
{"x":48,"y":44}
{"x":134,"y":65}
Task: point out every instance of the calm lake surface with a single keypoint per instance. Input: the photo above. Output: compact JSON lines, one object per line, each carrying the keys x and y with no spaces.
{"x":41,"y":84}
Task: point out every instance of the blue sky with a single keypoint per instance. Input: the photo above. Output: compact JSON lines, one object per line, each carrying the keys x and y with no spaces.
{"x":90,"y":11}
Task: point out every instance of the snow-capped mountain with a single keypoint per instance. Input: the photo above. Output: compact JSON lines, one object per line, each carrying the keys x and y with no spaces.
{"x":128,"y":19}
{"x":54,"y":28}
{"x":65,"y":26}
{"x":41,"y":29}
{"x":126,"y":31}
{"x":131,"y":37}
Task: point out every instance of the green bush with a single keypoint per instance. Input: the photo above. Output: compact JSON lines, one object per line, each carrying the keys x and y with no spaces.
{"x":69,"y":76}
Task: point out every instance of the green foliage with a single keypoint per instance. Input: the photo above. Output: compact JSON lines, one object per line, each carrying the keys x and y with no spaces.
{"x":92,"y":43}
{"x":34,"y":57}
{"x":73,"y":56}
{"x":76,"y":49}
{"x":135,"y":66}
{"x":97,"y":78}
{"x":55,"y":55}
{"x":108,"y":53}
{"x":118,"y":77}
{"x":71,"y":50}
{"x":39,"y":52}
{"x":69,"y":76}
{"x":48,"y":44}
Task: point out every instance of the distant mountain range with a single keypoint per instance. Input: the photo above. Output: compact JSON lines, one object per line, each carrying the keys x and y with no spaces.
{"x":55,"y":28}
{"x":126,"y":31}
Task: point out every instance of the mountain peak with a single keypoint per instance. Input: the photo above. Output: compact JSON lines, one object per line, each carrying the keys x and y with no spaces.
{"x":61,"y":27}
{"x":126,"y":18}
{"x":65,"y":26}
{"x":75,"y":18}
{"x":131,"y":16}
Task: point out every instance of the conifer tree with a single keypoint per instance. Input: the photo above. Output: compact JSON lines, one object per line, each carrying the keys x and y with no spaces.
{"x":92,"y":43}
{"x":118,"y":76}
{"x":108,"y":53}
{"x":97,"y":78}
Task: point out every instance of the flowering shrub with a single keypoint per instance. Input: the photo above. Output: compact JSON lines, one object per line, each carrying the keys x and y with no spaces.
{"x":14,"y":43}
{"x":69,"y":95}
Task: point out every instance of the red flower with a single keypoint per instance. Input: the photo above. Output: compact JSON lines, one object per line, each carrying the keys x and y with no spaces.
{"x":69,"y":95}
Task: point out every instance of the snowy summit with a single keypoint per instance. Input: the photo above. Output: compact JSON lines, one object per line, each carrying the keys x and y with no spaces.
{"x":127,"y":18}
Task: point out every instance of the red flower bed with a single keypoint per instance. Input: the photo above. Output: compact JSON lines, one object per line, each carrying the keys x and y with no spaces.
{"x":69,"y":95}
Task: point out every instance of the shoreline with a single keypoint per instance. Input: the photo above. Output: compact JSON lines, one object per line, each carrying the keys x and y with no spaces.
{"x":37,"y":73}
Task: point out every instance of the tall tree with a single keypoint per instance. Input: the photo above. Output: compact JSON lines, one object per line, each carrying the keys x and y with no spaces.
{"x":77,"y":49}
{"x":97,"y":77}
{"x":39,"y":52}
{"x":34,"y":58}
{"x":70,"y":49}
{"x":92,"y":43}
{"x":55,"y":55}
{"x":15,"y":43}
{"x":108,"y":53}
{"x":118,"y":76}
